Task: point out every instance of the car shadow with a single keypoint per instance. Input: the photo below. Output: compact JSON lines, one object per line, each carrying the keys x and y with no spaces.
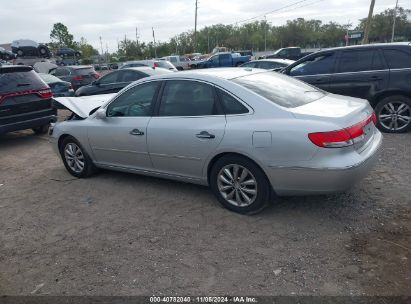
{"x":330,"y":206}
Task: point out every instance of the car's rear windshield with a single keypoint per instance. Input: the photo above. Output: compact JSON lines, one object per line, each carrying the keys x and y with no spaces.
{"x":85,"y":71}
{"x":48,"y":78}
{"x":283,"y":90}
{"x":20,"y":81}
{"x":165,"y":64}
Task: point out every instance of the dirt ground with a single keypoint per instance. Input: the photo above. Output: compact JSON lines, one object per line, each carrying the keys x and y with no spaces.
{"x":124,"y":234}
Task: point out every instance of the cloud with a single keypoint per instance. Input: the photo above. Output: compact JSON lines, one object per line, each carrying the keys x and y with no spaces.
{"x":34,"y":19}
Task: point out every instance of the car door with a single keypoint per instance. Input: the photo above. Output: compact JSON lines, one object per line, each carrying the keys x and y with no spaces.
{"x":226,"y":60}
{"x":360,"y":73}
{"x":188,"y":126}
{"x":315,"y":70}
{"x":120,"y":139}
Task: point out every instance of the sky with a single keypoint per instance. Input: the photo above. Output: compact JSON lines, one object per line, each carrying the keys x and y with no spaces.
{"x":112,"y":20}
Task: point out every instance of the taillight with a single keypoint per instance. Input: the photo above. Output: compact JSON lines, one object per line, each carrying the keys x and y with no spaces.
{"x":45,"y":94}
{"x":342,"y":138}
{"x":156,"y":65}
{"x":97,"y":75}
{"x":77,"y":78}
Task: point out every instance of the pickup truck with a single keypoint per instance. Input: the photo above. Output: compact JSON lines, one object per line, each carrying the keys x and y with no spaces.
{"x":293,"y":53}
{"x":223,"y":60}
{"x":180,"y":62}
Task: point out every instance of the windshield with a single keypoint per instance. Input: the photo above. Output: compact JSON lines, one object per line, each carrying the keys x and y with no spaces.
{"x":282,"y":90}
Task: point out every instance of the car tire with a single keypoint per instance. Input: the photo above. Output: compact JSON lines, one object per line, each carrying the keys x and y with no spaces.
{"x":245,"y":194}
{"x":75,"y":158}
{"x":394,"y":114}
{"x":42,"y":51}
{"x":41,"y":130}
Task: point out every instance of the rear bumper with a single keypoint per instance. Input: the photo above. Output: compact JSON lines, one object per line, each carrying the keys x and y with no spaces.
{"x":323,"y":180}
{"x":28,"y":121}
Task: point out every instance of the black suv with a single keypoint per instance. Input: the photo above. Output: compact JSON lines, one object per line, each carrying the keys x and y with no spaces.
{"x":380,"y":73}
{"x":25,"y":100}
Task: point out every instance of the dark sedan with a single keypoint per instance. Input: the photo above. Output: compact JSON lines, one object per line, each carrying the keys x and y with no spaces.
{"x":116,"y":80}
{"x":59,"y":87}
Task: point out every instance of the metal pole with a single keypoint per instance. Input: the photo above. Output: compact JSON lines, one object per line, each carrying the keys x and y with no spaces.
{"x":368,"y":24}
{"x":265,"y":34}
{"x":195,"y":28}
{"x":154,"y":38}
{"x":393,"y":22}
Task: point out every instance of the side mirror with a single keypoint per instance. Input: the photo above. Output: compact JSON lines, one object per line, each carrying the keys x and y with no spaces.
{"x":101,"y":114}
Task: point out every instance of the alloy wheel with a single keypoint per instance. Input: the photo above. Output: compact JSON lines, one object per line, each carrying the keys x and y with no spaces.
{"x":74,"y":157}
{"x":395,"y":116}
{"x":237,"y":185}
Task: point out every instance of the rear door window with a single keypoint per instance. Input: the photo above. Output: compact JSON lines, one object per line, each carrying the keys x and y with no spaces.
{"x":109,"y":78}
{"x":319,"y":64}
{"x":359,"y":60}
{"x":397,"y":59}
{"x":230,"y":104}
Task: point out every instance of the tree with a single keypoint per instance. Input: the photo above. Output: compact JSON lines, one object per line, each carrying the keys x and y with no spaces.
{"x":61,"y":37}
{"x":381,"y":25}
{"x":87,"y":50}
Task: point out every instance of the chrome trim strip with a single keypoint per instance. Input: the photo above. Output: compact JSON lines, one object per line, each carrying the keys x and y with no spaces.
{"x":175,"y":156}
{"x":118,"y":150}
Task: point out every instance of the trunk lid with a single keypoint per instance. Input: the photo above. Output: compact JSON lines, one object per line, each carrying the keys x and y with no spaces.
{"x":82,"y":106}
{"x":344,"y":112}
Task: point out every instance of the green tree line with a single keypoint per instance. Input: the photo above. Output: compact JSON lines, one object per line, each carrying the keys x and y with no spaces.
{"x":256,"y":36}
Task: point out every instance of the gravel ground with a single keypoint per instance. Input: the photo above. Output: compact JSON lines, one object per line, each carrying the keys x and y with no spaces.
{"x":123,"y":234}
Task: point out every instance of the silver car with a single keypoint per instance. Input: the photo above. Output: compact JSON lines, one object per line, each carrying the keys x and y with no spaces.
{"x":248,"y":134}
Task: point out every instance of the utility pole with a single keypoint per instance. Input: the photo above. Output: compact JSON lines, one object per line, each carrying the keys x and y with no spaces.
{"x":195,"y":28}
{"x":154,"y":38}
{"x":368,"y":24}
{"x":137,"y":36}
{"x":265,"y":33}
{"x":393,"y":22}
{"x":102,"y":52}
{"x":347,"y":38}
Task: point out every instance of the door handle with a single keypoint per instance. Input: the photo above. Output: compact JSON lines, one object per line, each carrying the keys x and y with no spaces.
{"x":136,"y":132}
{"x":205,"y":134}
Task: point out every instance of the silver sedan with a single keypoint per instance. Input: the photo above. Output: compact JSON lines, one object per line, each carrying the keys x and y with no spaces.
{"x":248,"y":134}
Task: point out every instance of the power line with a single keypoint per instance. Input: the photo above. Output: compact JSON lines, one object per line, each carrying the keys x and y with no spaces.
{"x":270,"y":12}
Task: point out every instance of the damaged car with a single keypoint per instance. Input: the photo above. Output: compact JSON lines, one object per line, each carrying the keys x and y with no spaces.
{"x":249,"y":135}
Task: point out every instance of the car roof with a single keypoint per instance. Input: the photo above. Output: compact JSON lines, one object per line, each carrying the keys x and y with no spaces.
{"x":282,"y":60}
{"x":223,"y":73}
{"x":375,"y":45}
{"x":15,"y":68}
{"x":148,"y":70}
{"x":77,"y":67}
